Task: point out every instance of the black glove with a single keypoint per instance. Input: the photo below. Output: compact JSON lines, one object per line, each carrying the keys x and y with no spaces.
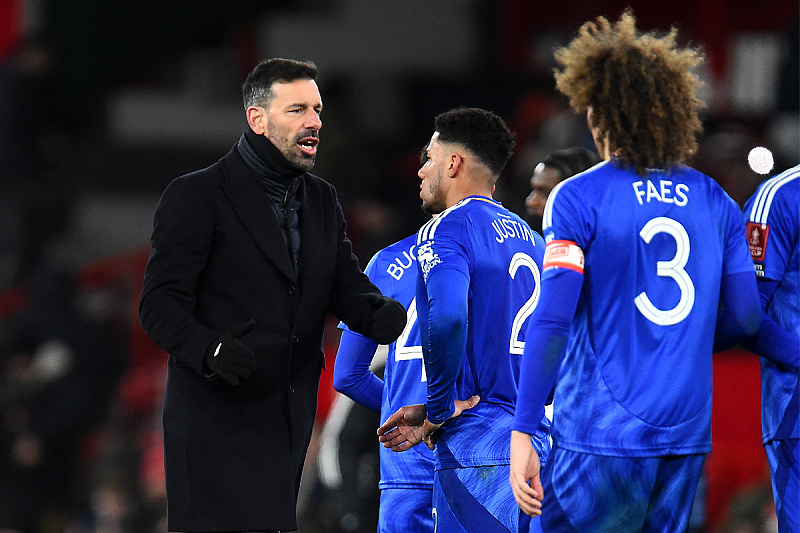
{"x":388,"y":320}
{"x":228,"y":357}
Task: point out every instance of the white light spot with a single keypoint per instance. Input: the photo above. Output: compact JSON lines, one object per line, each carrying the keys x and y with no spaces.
{"x":760,"y":160}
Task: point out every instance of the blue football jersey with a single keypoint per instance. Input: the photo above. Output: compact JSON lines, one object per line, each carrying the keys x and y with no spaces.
{"x":502,"y":258}
{"x":636,"y":375}
{"x":772,"y":233}
{"x":394,"y":271}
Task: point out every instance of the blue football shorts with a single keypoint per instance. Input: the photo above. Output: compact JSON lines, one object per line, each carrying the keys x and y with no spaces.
{"x":589,"y":493}
{"x":406,"y":510}
{"x":478,"y":500}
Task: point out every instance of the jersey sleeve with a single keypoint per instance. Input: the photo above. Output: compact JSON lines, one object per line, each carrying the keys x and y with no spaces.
{"x":547,"y":334}
{"x":351,"y":373}
{"x":740,"y":310}
{"x":773,"y":341}
{"x":772,"y":233}
{"x":442,"y":311}
{"x":736,"y":257}
{"x":772,"y":236}
{"x":440,"y":246}
{"x":566,"y":216}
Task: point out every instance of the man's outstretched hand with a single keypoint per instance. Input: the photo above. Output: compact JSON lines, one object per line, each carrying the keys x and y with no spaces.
{"x":409,"y":426}
{"x":404,"y":429}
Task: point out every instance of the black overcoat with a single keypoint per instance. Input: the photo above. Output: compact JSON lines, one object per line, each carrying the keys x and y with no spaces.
{"x":234,"y":455}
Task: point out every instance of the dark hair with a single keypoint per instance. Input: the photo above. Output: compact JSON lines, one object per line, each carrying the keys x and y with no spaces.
{"x":481,"y":132}
{"x":640,"y":87}
{"x":257,"y":88}
{"x":571,"y":161}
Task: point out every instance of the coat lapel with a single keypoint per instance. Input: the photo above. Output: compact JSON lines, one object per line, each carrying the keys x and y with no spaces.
{"x":252,"y":205}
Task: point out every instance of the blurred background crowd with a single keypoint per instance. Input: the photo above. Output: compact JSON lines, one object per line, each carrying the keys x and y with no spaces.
{"x":103,"y":103}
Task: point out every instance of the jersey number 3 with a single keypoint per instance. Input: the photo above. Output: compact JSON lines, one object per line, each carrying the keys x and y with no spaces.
{"x":674,"y":268}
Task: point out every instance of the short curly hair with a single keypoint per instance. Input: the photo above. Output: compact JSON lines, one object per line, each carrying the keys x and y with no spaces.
{"x":640,"y":87}
{"x":481,"y":132}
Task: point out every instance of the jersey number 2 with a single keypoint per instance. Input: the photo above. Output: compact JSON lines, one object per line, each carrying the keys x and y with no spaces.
{"x":517,"y":346}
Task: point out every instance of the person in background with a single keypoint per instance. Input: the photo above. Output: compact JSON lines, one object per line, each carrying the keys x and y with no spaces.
{"x":773,"y":233}
{"x":248,"y":257}
{"x":477,"y":283}
{"x":552,"y":170}
{"x":641,"y":252}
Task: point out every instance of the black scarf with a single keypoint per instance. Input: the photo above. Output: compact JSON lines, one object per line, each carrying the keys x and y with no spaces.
{"x":281,"y":182}
{"x":265,"y":159}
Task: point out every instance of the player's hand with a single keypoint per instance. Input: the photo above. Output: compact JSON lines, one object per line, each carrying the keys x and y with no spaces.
{"x":228,"y":357}
{"x":525,"y":474}
{"x":388,"y":320}
{"x":463,"y":405}
{"x":429,"y":429}
{"x":429,"y":435}
{"x":404,"y":429}
{"x":409,"y":426}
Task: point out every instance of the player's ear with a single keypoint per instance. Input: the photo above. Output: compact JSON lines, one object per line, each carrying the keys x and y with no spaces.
{"x":455,"y":164}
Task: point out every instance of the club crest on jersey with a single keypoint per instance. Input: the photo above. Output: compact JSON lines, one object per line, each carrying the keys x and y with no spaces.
{"x":427,"y":258}
{"x":757,"y":235}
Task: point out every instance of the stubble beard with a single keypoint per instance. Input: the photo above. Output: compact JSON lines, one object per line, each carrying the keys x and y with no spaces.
{"x":431,"y":208}
{"x":436,"y":203}
{"x":298,"y":159}
{"x":303,"y":162}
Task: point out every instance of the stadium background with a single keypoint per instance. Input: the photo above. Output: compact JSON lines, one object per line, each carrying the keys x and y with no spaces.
{"x":101,"y":104}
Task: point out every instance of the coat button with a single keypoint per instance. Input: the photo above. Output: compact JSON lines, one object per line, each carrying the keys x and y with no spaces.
{"x":295,"y":339}
{"x":291,"y":389}
{"x":292,"y":289}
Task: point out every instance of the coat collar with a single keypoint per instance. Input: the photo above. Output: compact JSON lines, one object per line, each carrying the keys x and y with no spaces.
{"x":243,"y":189}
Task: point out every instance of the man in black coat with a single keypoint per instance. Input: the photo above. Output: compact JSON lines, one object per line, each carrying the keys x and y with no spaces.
{"x":248,"y":256}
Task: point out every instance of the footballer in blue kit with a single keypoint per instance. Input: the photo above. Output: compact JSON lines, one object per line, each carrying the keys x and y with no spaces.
{"x":640,"y":257}
{"x":478,"y":283}
{"x":406,"y":482}
{"x":773,"y":228}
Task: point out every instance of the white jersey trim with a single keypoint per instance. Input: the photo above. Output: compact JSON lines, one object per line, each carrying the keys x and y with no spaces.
{"x":763,"y":201}
{"x":428,"y":231}
{"x":547,"y":217}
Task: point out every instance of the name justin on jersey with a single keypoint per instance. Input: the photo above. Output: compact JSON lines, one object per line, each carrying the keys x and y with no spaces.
{"x":508,"y":228}
{"x":402,"y":262}
{"x":663,"y":193}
